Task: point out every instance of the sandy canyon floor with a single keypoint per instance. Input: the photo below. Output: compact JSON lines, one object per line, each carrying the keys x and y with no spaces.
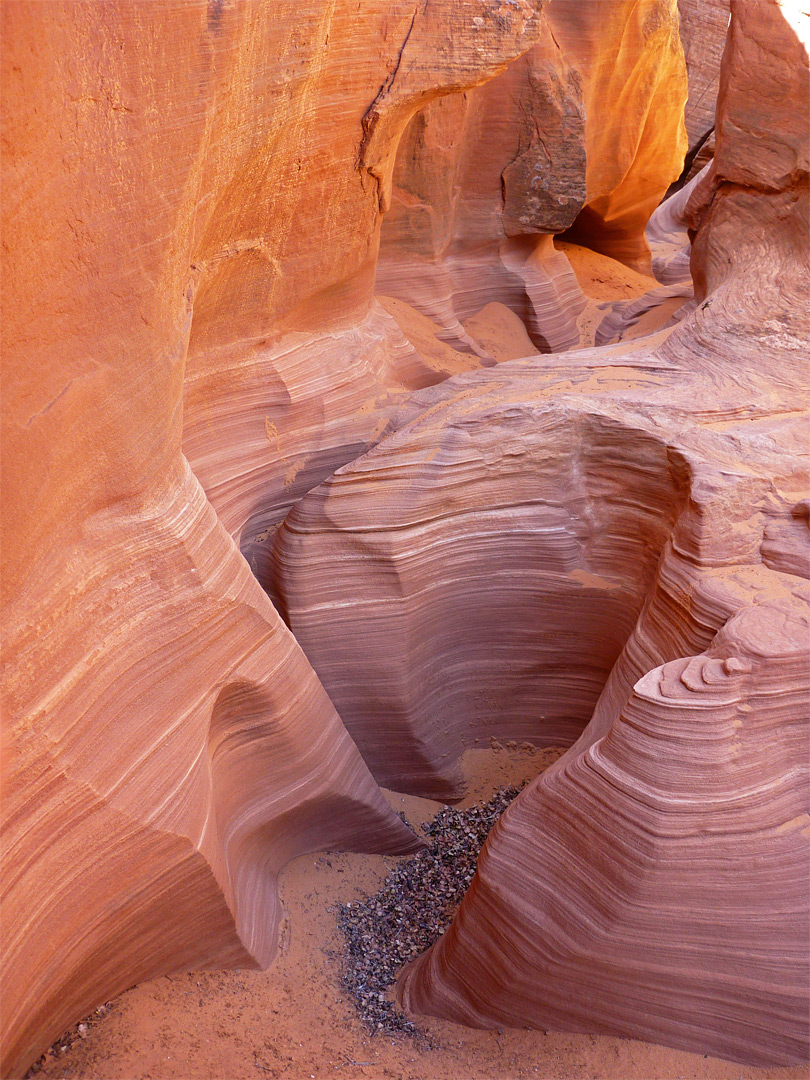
{"x":295,"y":1020}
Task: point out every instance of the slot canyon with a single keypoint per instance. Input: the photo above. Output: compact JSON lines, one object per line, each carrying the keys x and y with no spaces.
{"x":390,"y":385}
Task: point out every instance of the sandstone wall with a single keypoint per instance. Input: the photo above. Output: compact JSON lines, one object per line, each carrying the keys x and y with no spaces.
{"x":585,"y":131}
{"x":192,"y":203}
{"x":688,"y":923}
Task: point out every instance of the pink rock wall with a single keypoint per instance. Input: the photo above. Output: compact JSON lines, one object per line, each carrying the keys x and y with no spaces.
{"x":504,"y":556}
{"x":687,"y":924}
{"x":186,"y":226}
{"x":654,"y":881}
{"x":192,"y":203}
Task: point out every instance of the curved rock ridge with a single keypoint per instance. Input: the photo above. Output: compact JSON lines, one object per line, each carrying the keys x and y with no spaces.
{"x":192,"y":203}
{"x":694,"y":744}
{"x":191,"y":208}
{"x":166,"y":769}
{"x":654,"y":881}
{"x":667,"y":234}
{"x":655,"y":310}
{"x":700,"y":759}
{"x":264,"y":430}
{"x":476,"y":585}
{"x":293,"y":368}
{"x":590,"y":117}
{"x":685,"y":926}
{"x":687,"y":735}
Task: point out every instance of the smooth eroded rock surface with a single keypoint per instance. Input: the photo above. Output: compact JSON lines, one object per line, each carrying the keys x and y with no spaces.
{"x":654,"y":881}
{"x":191,"y":204}
{"x":586,"y":127}
{"x":211,"y":385}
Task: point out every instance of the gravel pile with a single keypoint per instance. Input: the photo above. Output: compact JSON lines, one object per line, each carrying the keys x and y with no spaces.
{"x":412,"y":909}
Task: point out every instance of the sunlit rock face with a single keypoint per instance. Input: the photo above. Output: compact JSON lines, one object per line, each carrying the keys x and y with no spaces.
{"x":584,"y":132}
{"x":193,"y":194}
{"x":606,"y":547}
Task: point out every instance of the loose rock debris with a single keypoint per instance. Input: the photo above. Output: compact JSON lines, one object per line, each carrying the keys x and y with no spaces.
{"x":412,"y":909}
{"x":79,"y":1031}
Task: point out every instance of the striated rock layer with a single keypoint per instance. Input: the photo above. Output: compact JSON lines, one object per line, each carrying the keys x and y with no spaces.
{"x":192,"y":194}
{"x":687,"y":922}
{"x":607,"y":546}
{"x":504,"y":556}
{"x":615,"y":537}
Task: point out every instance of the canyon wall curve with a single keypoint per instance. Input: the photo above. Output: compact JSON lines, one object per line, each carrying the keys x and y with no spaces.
{"x":480,"y":587}
{"x":283,"y":527}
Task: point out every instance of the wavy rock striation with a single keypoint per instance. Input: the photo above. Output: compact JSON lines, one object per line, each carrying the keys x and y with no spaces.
{"x":505,"y":554}
{"x":192,"y":200}
{"x":653,"y":882}
{"x":688,"y":924}
{"x":606,"y":547}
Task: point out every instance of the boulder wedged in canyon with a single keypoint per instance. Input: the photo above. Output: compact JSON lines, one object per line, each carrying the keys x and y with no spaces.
{"x":293,"y":367}
{"x":585,"y":131}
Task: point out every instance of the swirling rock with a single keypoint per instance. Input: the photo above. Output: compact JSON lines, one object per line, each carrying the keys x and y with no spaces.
{"x":519,"y":511}
{"x":293,"y":368}
{"x":632,"y":932}
{"x":188,"y":223}
{"x":285,"y":417}
{"x":717,"y":834}
{"x":667,"y":234}
{"x":192,"y":344}
{"x":654,"y":881}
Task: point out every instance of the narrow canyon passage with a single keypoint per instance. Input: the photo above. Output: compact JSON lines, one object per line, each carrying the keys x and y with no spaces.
{"x":402,"y":400}
{"x":247,"y":1025}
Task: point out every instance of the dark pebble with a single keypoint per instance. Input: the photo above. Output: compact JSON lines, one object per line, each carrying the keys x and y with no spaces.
{"x":412,"y":909}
